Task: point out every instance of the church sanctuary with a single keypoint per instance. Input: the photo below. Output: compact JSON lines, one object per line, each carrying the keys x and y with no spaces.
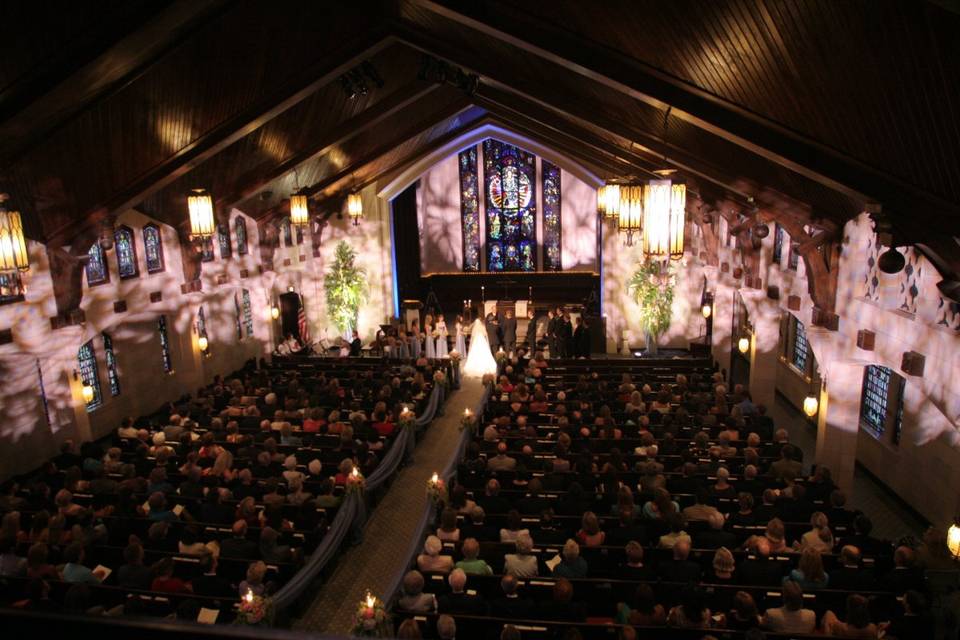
{"x":480,"y":320}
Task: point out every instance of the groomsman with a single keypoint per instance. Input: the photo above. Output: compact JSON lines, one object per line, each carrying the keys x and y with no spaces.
{"x":566,"y":336}
{"x":509,"y":331}
{"x":552,"y":334}
{"x":531,"y":330}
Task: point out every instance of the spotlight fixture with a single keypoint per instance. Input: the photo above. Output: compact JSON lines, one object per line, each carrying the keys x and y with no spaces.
{"x":891,"y":261}
{"x":761,"y":230}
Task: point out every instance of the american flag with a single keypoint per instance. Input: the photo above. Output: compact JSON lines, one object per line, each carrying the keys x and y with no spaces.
{"x":302,"y":325}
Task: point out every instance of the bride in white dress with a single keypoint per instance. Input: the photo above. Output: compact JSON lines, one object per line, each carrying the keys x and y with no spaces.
{"x":479,"y":358}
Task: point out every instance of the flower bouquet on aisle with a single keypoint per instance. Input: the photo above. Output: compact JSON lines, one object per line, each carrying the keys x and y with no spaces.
{"x":371,"y":619}
{"x":408,"y":419}
{"x":254,"y":610}
{"x":437,"y":490}
{"x":355,"y":482}
{"x":440,"y":378}
{"x":455,"y":357}
{"x":501,"y":357}
{"x":468,"y":422}
{"x":488,"y":379}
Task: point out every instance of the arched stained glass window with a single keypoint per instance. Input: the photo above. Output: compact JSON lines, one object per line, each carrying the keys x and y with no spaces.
{"x":206,"y":250}
{"x":201,"y":323}
{"x":87,"y":359}
{"x":223,"y":237}
{"x":287,"y":232}
{"x":165,"y":344}
{"x":97,"y":271}
{"x":236,"y":308}
{"x":550,"y":177}
{"x":470,"y":209}
{"x":510,"y":186}
{"x":124,"y":243}
{"x":241,"y":227}
{"x":153,"y":248}
{"x":113,"y":376}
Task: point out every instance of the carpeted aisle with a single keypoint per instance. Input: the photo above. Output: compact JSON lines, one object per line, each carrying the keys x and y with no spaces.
{"x":388,"y":534}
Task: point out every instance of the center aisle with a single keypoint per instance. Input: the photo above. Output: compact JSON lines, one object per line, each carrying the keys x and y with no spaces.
{"x":389,"y":532}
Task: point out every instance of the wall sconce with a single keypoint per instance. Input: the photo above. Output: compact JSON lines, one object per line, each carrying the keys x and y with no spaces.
{"x":203,"y":343}
{"x":274,"y":312}
{"x":743,"y":345}
{"x":953,"y":539}
{"x":811,"y":403}
{"x":86,"y":390}
{"x":706,"y":310}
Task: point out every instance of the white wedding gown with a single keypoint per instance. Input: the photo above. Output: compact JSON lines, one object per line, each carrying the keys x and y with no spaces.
{"x":479,"y":357}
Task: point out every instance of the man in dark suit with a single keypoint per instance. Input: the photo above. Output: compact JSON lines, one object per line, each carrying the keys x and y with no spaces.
{"x":213,"y":510}
{"x":209,"y":583}
{"x":628,"y":530}
{"x":237,"y":546}
{"x":493,"y":332}
{"x":510,"y":604}
{"x":531,"y":335}
{"x":561,"y":606}
{"x":904,"y":576}
{"x":509,"y":327}
{"x":551,"y":334}
{"x":477,"y":527}
{"x":458,"y":600}
{"x":492,"y":501}
{"x":581,"y":339}
{"x":759,"y":569}
{"x":566,"y":336}
{"x":715,"y":537}
{"x":861,"y":538}
{"x":680,"y":568}
{"x":849,"y":576}
{"x":533,"y":503}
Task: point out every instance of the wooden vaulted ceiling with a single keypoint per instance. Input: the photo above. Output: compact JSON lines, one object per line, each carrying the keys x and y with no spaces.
{"x":815,"y":106}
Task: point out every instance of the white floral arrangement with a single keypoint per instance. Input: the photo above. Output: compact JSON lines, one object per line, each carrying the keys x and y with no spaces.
{"x":468,"y":421}
{"x":455,"y":356}
{"x":408,"y":419}
{"x":436,"y":490}
{"x":371,"y":619}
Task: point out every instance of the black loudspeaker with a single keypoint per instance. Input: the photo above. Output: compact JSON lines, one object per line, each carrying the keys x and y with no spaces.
{"x":598,"y":333}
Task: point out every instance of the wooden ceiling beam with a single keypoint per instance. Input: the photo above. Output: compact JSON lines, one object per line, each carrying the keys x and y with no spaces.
{"x":766,"y":138}
{"x":233,"y":128}
{"x":407,"y":96}
{"x":49,"y":98}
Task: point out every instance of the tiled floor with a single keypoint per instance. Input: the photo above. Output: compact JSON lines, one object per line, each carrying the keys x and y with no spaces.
{"x":890,"y":519}
{"x":389,"y":533}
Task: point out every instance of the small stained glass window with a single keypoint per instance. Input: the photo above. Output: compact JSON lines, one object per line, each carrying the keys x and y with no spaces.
{"x":113,"y":376}
{"x":164,"y":344}
{"x":153,"y":248}
{"x":550,"y":178}
{"x":124,"y":244}
{"x":223,"y":237}
{"x":87,"y":360}
{"x":241,"y":228}
{"x":97,"y":271}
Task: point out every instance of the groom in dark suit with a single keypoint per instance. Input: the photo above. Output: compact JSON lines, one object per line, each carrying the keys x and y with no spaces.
{"x":509,"y":331}
{"x":493,"y":331}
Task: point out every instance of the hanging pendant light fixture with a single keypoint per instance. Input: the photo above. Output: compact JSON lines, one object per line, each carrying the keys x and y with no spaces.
{"x":630,"y":211}
{"x":355,"y":208}
{"x":200,"y":206}
{"x":299,"y":204}
{"x":664,"y":217}
{"x":13,"y":246}
{"x":608,"y":201}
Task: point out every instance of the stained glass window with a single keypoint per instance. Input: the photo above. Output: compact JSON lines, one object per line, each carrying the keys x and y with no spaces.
{"x":550,"y":177}
{"x":470,"y":209}
{"x":206,"y":250}
{"x":113,"y":375}
{"x":164,"y":344}
{"x":153,"y":248}
{"x":123,"y":242}
{"x":873,"y":404}
{"x":11,"y":287}
{"x":201,"y":323}
{"x":510,"y":180}
{"x":287,"y":232}
{"x":299,"y":234}
{"x":898,"y":418}
{"x":87,"y":360}
{"x":241,"y":227}
{"x":236,"y":308}
{"x":801,"y":349}
{"x":97,"y":272}
{"x":247,"y":313}
{"x":794,"y":259}
{"x":777,"y":244}
{"x":223,"y":237}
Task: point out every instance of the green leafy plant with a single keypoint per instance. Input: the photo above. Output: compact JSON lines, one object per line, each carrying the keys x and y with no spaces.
{"x":346,"y":287}
{"x":652,"y":289}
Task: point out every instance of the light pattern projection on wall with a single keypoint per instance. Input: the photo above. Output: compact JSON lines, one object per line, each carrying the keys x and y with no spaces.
{"x":241,"y":229}
{"x":510,"y":185}
{"x":123,"y":242}
{"x":87,"y":360}
{"x":247,"y":313}
{"x":96,"y":268}
{"x":550,"y":177}
{"x":153,"y":248}
{"x":470,"y":209}
{"x":164,"y":344}
{"x":910,"y":279}
{"x":113,"y":376}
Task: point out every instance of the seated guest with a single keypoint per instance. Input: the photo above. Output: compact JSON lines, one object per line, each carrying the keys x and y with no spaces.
{"x":905,"y":575}
{"x":430,"y":561}
{"x":786,"y":464}
{"x":413,"y":598}
{"x":809,"y":573}
{"x":448,"y":531}
{"x":743,"y":616}
{"x":270,"y":549}
{"x":856,"y":623}
{"x":189,"y":543}
{"x":628,"y":530}
{"x":514,"y":528}
{"x":165,"y":581}
{"x":521,"y":564}
{"x":458,"y":601}
{"x":209,"y":583}
{"x":861,"y":538}
{"x":476,"y":527}
{"x":776,"y":535}
{"x":590,"y":534}
{"x":296,"y":495}
{"x":74,"y":569}
{"x":680,"y":568}
{"x":715,"y":537}
{"x":446,"y":628}
{"x":744,"y":517}
{"x":562,"y":606}
{"x":849,"y":576}
{"x":326,"y":499}
{"x":491,"y":501}
{"x":676,"y":534}
{"x":691,"y":613}
{"x":722,"y":488}
{"x":700,"y":510}
{"x":916,"y":622}
{"x":501,"y":461}
{"x":645,"y":612}
{"x":237,"y":546}
{"x":511,"y":604}
{"x":760,"y":568}
{"x":253,"y":583}
{"x":634,"y":568}
{"x":571,"y":564}
{"x":791,"y":617}
{"x":471,"y":563}
{"x":133,"y":574}
{"x":722,"y":569}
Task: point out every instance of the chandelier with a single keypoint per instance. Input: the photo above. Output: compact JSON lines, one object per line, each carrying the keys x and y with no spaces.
{"x":13,"y":247}
{"x":299,"y":209}
{"x":355,"y":207}
{"x":664,"y":216}
{"x":608,"y":201}
{"x":630,"y":211}
{"x":200,"y":205}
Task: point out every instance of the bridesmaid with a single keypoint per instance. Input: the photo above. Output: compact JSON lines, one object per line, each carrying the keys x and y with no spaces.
{"x":461,"y":345}
{"x":429,"y":331}
{"x":403,"y":340}
{"x":415,"y":339}
{"x":442,"y":334}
